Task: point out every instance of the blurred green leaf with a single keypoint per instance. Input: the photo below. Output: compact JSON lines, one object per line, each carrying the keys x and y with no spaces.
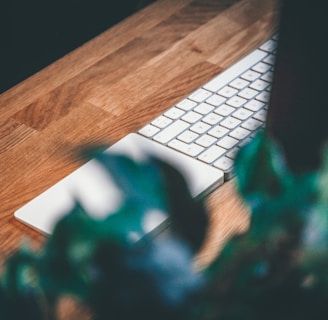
{"x":188,"y":216}
{"x":278,"y":269}
{"x":140,"y":182}
{"x":156,"y":185}
{"x":315,"y":235}
{"x":20,"y":294}
{"x":279,"y":199}
{"x":261,"y":171}
{"x":64,"y":258}
{"x":152,"y":279}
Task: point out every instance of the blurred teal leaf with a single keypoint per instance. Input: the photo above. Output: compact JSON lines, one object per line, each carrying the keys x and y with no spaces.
{"x":261,"y":171}
{"x":63,"y":261}
{"x":140,"y":182}
{"x":279,"y":267}
{"x":155,"y":184}
{"x":152,"y":279}
{"x":125,"y":225}
{"x":188,"y":216}
{"x":113,"y":264}
{"x":279,"y":199}
{"x":323,"y":180}
{"x":315,"y":235}
{"x":21,"y":296}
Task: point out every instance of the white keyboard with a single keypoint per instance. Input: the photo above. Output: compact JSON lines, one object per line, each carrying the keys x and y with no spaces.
{"x":199,"y":136}
{"x":213,"y":122}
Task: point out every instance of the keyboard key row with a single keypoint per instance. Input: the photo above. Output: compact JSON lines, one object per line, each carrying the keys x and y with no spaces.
{"x":225,"y":115}
{"x":227,"y":76}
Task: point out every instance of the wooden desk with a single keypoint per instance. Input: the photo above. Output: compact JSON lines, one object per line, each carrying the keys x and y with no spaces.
{"x":115,"y":84}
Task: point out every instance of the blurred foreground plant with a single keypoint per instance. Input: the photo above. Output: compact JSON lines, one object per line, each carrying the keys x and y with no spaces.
{"x":277,"y":270}
{"x":113,"y":265}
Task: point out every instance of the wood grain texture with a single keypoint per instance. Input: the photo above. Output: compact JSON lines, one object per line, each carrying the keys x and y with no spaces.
{"x":115,"y":84}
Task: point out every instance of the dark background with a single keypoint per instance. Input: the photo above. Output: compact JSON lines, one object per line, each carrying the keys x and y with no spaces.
{"x":35,"y":33}
{"x":298,"y":113}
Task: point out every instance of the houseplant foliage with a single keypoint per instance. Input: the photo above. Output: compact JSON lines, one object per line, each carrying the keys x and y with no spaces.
{"x":111,"y":264}
{"x":276,"y":270}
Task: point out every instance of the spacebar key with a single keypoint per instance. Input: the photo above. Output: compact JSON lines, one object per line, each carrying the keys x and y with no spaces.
{"x":171,"y":131}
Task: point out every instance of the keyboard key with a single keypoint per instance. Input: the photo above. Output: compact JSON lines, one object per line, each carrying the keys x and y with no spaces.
{"x":259,"y":85}
{"x":254,"y":105}
{"x":227,"y":92}
{"x":248,"y":93}
{"x":224,"y":163}
{"x":186,"y":104}
{"x":218,"y":131}
{"x":263,"y":96}
{"x":239,"y":83}
{"x":211,"y":154}
{"x":148,"y":130}
{"x":206,"y":140}
{"x":269,"y":46}
{"x":227,"y":142}
{"x":250,"y":75}
{"x":236,"y":101}
{"x":161,"y":122}
{"x":224,"y":110}
{"x":268,"y":76}
{"x":216,"y":100}
{"x":261,"y":115}
{"x":190,"y":149}
{"x":171,"y":131}
{"x":230,"y":122}
{"x":261,"y":67}
{"x":270,"y":59}
{"x":204,"y":108}
{"x":174,"y":113}
{"x":244,"y":142}
{"x":200,"y":127}
{"x":212,"y":118}
{"x":242,"y":114}
{"x":188,"y":136}
{"x":252,"y":124}
{"x":232,"y":153}
{"x":192,"y":117}
{"x":200,"y":95}
{"x":239,"y":133}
